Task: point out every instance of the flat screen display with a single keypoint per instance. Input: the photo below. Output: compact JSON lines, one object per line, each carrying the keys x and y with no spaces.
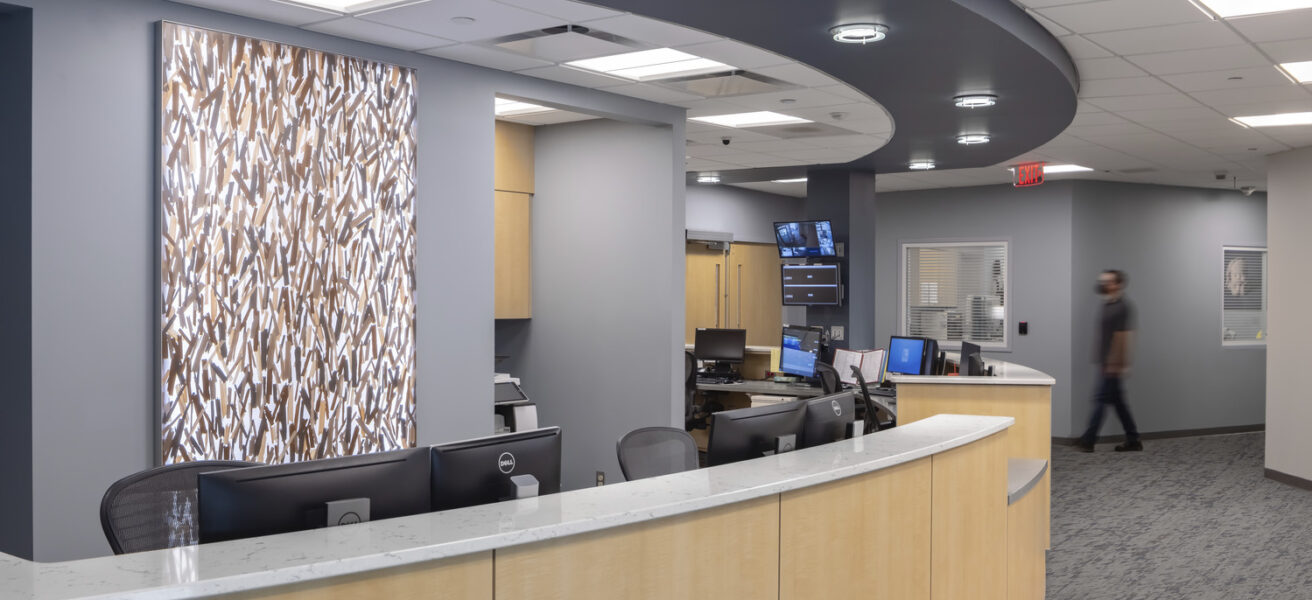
{"x":905,"y":355}
{"x":811,"y":285}
{"x":799,"y":351}
{"x":801,"y":239}
{"x":720,"y":345}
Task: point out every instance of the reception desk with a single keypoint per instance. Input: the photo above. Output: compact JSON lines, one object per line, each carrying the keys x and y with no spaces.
{"x":1016,"y":391}
{"x":919,"y":511}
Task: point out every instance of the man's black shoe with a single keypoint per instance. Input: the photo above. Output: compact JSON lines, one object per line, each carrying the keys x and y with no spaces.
{"x":1083,"y":447}
{"x":1130,"y":447}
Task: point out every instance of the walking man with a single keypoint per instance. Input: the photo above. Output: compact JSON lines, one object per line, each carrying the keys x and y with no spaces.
{"x":1116,"y":333}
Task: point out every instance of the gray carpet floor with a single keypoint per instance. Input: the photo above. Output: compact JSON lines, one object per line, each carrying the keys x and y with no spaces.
{"x":1189,"y":518}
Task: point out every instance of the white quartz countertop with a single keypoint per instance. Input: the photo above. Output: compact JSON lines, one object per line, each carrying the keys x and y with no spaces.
{"x":241,"y":565}
{"x":1004,"y":373}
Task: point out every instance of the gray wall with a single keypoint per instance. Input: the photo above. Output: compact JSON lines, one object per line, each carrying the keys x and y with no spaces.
{"x":1168,"y":241}
{"x":748,"y":214}
{"x":1288,"y":410}
{"x":94,"y":243}
{"x":599,"y":354}
{"x":1036,"y":222}
{"x":847,"y":199}
{"x":16,"y":272}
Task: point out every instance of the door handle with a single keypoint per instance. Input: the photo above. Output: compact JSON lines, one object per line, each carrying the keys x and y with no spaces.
{"x":717,"y":294}
{"x":740,"y":296}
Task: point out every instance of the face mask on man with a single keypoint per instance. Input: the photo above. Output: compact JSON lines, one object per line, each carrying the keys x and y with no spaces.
{"x":1102,"y":288}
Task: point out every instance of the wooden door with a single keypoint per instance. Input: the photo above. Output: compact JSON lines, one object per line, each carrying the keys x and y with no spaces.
{"x":755,"y":302}
{"x":704,"y":289}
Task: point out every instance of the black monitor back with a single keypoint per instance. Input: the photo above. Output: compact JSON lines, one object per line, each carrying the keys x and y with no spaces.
{"x":971,"y":363}
{"x":478,"y":471}
{"x":255,"y":501}
{"x":827,"y":418}
{"x":749,"y":433}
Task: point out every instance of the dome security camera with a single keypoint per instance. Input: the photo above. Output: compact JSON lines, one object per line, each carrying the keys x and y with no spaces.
{"x":725,"y":140}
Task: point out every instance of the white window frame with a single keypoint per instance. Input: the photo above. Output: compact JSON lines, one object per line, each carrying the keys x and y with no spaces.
{"x":1005,"y":344}
{"x":1266,"y":297}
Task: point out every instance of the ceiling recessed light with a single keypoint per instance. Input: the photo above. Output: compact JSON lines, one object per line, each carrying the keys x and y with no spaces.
{"x":972,"y":139}
{"x":1297,"y":72}
{"x":1279,"y":120}
{"x":349,"y":6}
{"x":509,"y":108}
{"x":751,"y":119}
{"x":921,"y":165}
{"x":794,"y":180}
{"x":651,"y":65}
{"x":1238,"y":8}
{"x":859,"y":33}
{"x":708,"y":178}
{"x":975,"y":100}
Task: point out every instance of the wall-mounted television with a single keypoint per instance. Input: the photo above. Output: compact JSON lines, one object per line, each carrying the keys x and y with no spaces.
{"x":802,"y":239}
{"x":811,"y":285}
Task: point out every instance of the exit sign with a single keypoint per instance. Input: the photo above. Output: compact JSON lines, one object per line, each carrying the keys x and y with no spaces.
{"x":1029,"y":174}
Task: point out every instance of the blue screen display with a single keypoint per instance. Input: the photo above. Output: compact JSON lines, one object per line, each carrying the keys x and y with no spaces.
{"x":794,"y":360}
{"x":904,"y":356}
{"x":805,"y":238}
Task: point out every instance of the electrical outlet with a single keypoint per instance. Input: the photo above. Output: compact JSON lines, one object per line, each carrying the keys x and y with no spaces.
{"x":836,"y":332}
{"x":601,"y":478}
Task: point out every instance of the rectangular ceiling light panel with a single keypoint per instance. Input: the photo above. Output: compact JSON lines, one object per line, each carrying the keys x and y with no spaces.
{"x":651,"y":65}
{"x":1279,"y":120}
{"x":750,"y":119}
{"x":1239,"y":8}
{"x":1300,"y":72}
{"x":507,"y":108}
{"x":348,"y":6}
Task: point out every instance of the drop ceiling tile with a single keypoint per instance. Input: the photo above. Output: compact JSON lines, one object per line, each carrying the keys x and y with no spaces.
{"x":1098,"y":118}
{"x":1107,"y":68}
{"x":1078,"y":47}
{"x":1286,"y":92}
{"x":1156,"y":116}
{"x":1062,"y":142}
{"x":1221,"y":80}
{"x":565,"y":10}
{"x":1170,"y":38}
{"x":1267,"y":108}
{"x":277,"y":12}
{"x":648,"y":30}
{"x":1120,"y":103}
{"x":736,"y":135}
{"x":874,"y":126}
{"x":1288,"y":50}
{"x":820,"y":155}
{"x":802,"y":98}
{"x":1127,"y":86}
{"x":486,"y":57}
{"x":706,"y":108}
{"x":736,"y":54}
{"x":652,"y":92}
{"x":712,"y":150}
{"x":1297,"y":136}
{"x":573,"y":76}
{"x":1094,"y":132}
{"x":1113,"y":15}
{"x":564,"y":47}
{"x":492,"y":19}
{"x":869,"y":143}
{"x":1207,"y":59}
{"x":375,"y":33}
{"x":799,"y":74}
{"x":696,"y":164}
{"x":845,"y":91}
{"x":847,"y":112}
{"x":1083,"y":107}
{"x":1216,"y":125}
{"x":1290,"y":25}
{"x":1052,"y":26}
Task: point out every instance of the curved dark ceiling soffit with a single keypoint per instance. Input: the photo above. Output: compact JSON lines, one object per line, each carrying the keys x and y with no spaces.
{"x":935,"y":50}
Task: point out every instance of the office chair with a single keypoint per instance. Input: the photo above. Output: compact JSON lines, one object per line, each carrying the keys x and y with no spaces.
{"x":655,"y":451}
{"x":872,"y":408}
{"x":689,"y":389}
{"x":829,"y":383}
{"x":156,"y":508}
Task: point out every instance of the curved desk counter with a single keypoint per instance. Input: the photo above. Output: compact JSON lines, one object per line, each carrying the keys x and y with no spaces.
{"x":928,"y":499}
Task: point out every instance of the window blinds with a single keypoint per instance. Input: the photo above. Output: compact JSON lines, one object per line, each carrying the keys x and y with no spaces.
{"x":956,"y":292}
{"x":1243,"y":312}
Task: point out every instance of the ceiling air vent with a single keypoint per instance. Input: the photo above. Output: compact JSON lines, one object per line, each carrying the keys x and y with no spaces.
{"x":1137,"y":170}
{"x":565,"y":43}
{"x":726,"y":83}
{"x":801,"y":130}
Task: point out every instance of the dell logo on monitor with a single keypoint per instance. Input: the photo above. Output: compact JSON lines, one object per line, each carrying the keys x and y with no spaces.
{"x":838,"y":408}
{"x":506,"y":462}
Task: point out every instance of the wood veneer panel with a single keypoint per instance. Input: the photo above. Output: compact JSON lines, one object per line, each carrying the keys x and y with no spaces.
{"x":969,"y":521}
{"x":514,"y":158}
{"x":1026,"y":540}
{"x":862,"y":537}
{"x":514,"y":255}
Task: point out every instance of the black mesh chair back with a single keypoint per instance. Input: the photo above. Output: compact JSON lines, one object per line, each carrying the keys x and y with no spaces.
{"x":872,"y":411}
{"x":828,"y":375}
{"x":689,"y":384}
{"x":156,"y":509}
{"x":655,"y":451}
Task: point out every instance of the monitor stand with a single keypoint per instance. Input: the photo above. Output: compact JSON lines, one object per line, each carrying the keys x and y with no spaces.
{"x":524,"y":486}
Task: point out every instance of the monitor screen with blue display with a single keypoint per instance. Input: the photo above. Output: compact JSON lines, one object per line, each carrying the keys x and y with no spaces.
{"x":800,"y":239}
{"x":905,"y":355}
{"x":799,"y":350}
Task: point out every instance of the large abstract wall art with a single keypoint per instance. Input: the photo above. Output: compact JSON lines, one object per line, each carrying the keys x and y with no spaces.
{"x":287,"y":266}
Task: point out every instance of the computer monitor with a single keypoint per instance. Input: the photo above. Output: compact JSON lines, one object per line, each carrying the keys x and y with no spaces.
{"x":479,"y":471}
{"x":933,"y":361}
{"x":906,"y":355}
{"x":255,"y":501}
{"x":720,"y":345}
{"x":804,"y":238}
{"x":799,"y":350}
{"x":971,"y":362}
{"x":749,"y":433}
{"x":827,"y":418}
